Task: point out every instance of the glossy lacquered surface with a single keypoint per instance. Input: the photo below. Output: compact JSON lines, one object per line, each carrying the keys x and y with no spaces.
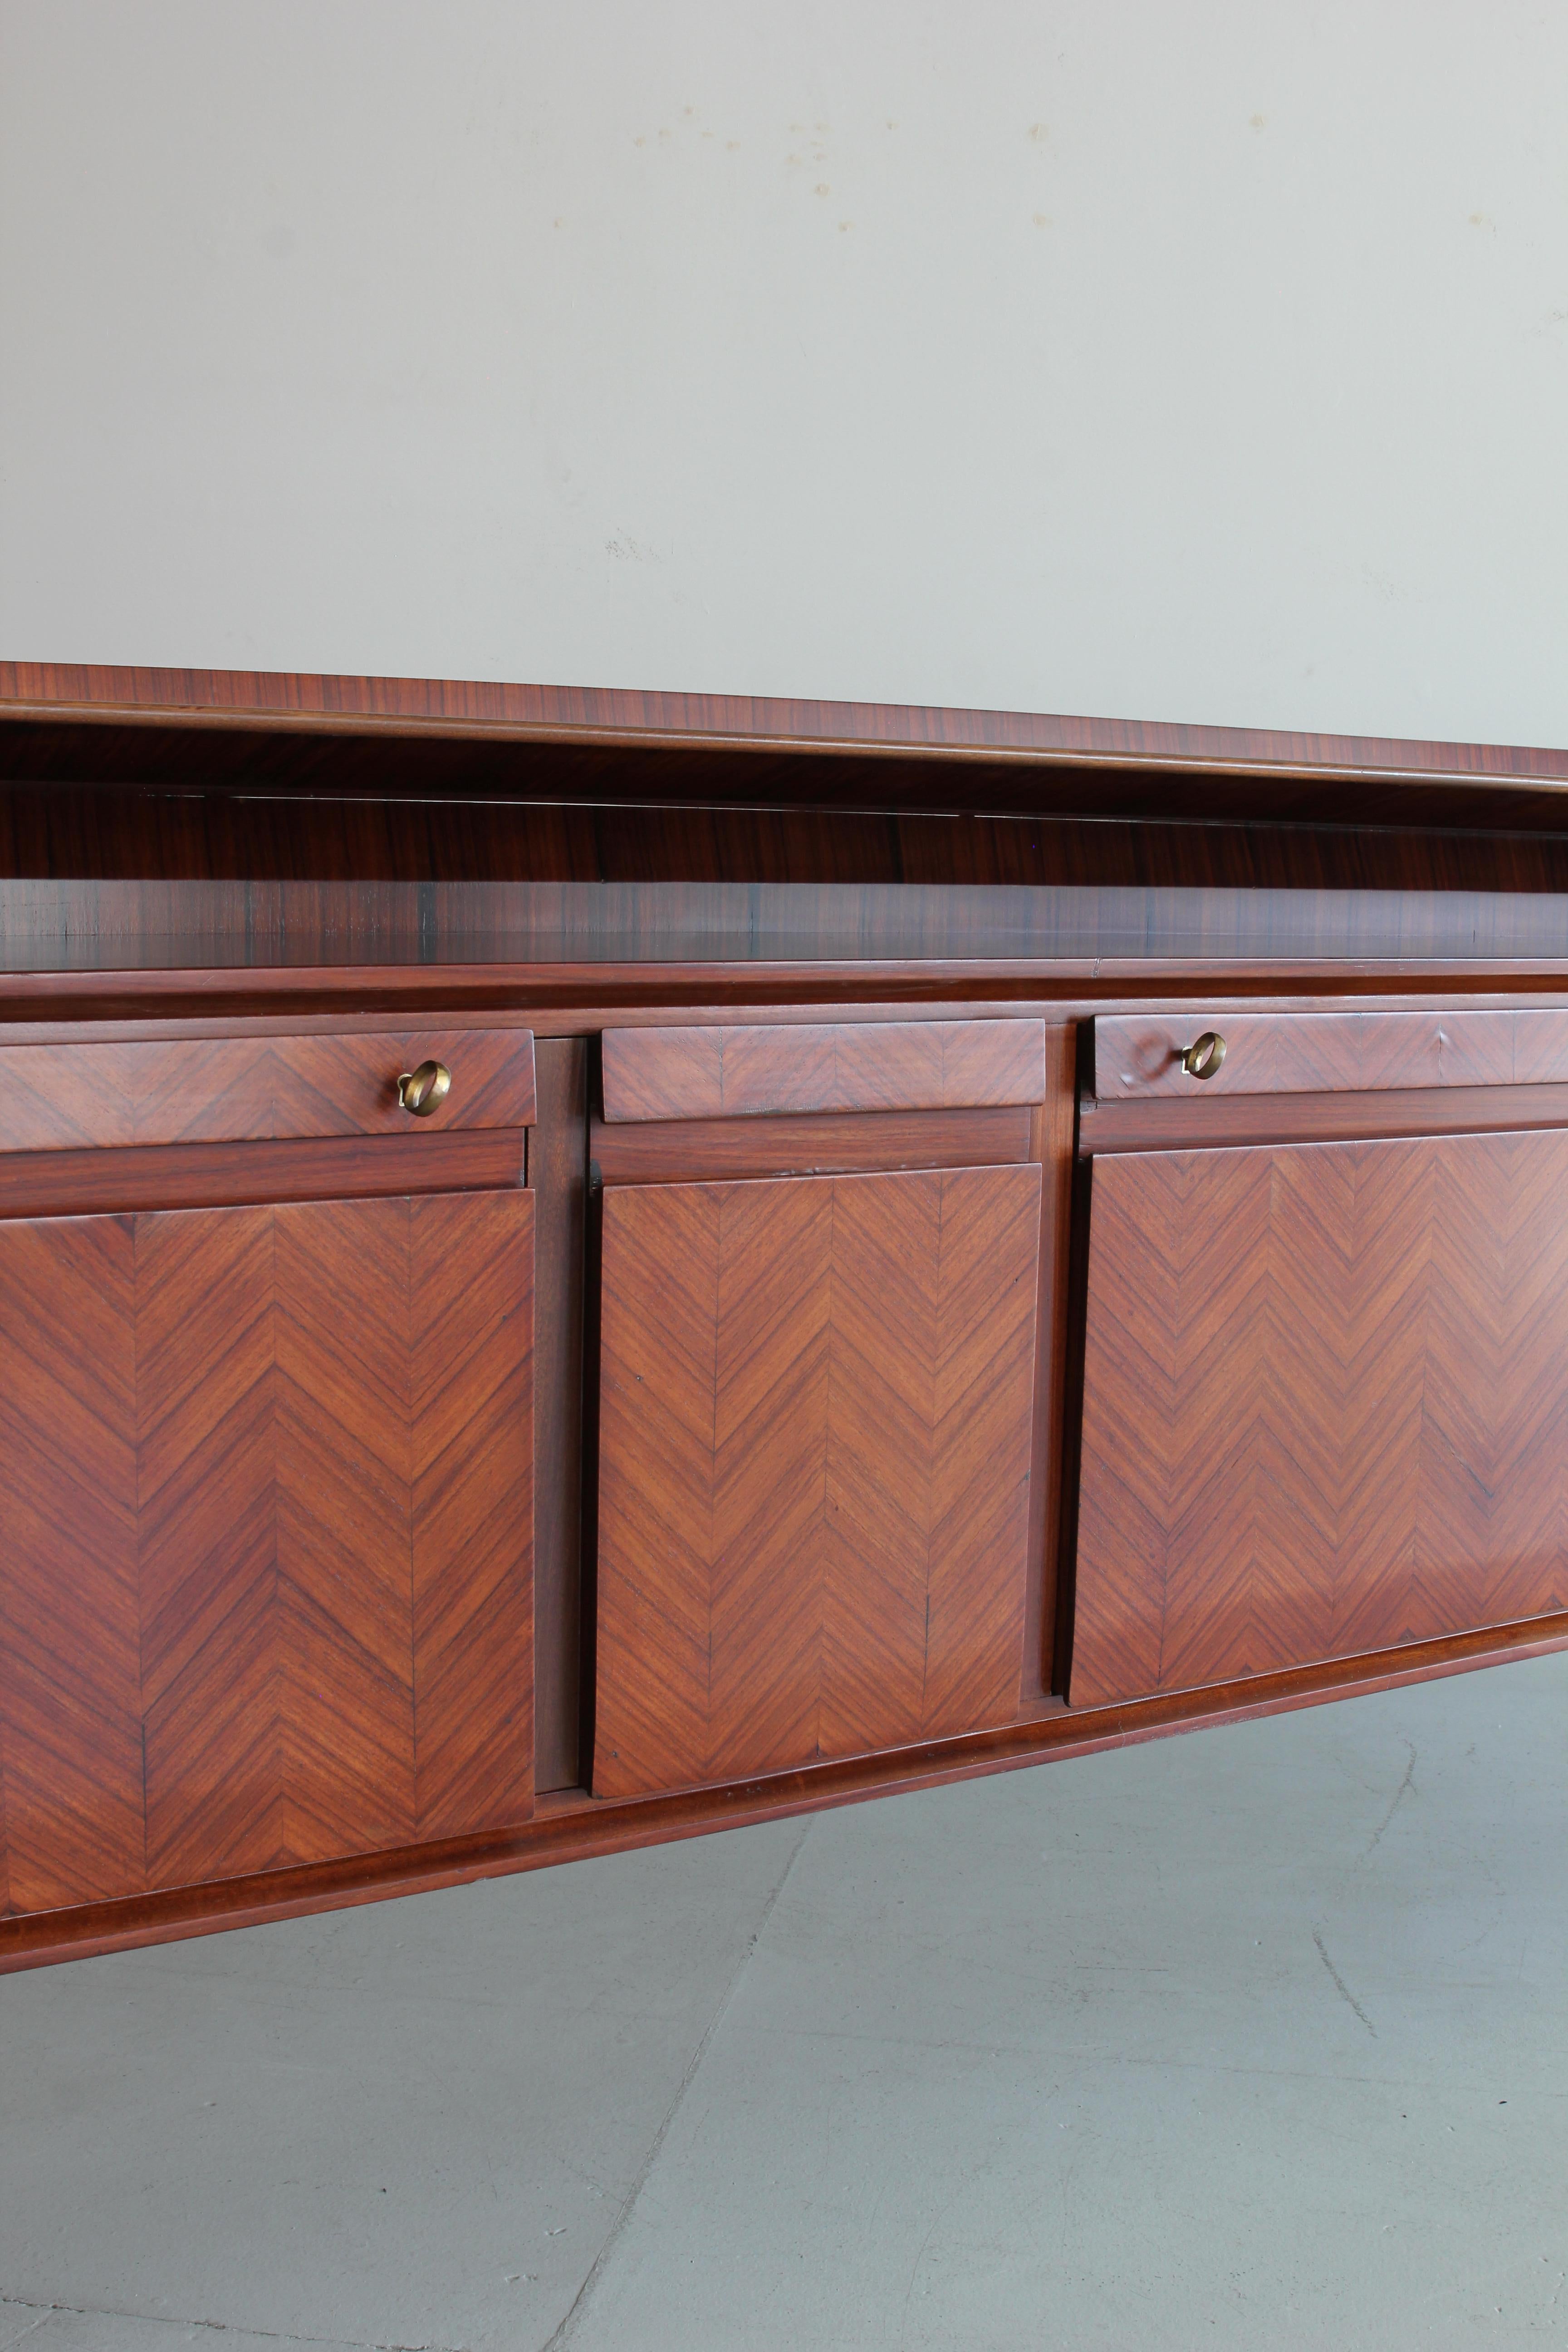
{"x":822,"y":1330}
{"x":256,"y":946}
{"x":696,"y":1073}
{"x":266,"y":1597}
{"x":157,"y":820}
{"x":184,"y":1089}
{"x":1143,"y":1057}
{"x":829,"y":1144}
{"x":46,"y":699}
{"x":572,"y":1827}
{"x":1163,"y":1123}
{"x":1325,"y":1404}
{"x":815,"y":1435}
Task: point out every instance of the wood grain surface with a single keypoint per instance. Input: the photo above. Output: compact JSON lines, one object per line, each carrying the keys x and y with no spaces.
{"x":244,"y":1089}
{"x":71,"y":1802}
{"x":266,"y":1594}
{"x":1180,"y":1123}
{"x":573,"y":1826}
{"x":406,"y":942}
{"x":300,"y":826}
{"x":453,"y":708}
{"x":230,"y":1175}
{"x":371,"y":823}
{"x":829,"y":1143}
{"x":813,"y":1468}
{"x":1325,"y":1405}
{"x":1139,"y":1056}
{"x":736,"y":1073}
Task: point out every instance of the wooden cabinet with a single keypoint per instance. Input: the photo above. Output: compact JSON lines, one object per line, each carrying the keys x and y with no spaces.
{"x":266,"y":1412}
{"x":815,"y":1408}
{"x":265,"y":1482}
{"x":1325,"y":1385}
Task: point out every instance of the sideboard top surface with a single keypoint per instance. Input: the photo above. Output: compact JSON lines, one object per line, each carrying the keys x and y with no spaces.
{"x":302,"y":703}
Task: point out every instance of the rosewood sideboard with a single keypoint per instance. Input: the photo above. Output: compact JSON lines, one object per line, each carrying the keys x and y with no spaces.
{"x":578,"y":1268}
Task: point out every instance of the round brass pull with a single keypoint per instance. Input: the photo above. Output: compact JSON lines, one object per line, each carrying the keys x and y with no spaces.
{"x":1205,"y":1055}
{"x":425,"y":1089}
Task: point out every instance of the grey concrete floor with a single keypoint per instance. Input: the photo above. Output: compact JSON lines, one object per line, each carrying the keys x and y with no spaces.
{"x":1255,"y":2038}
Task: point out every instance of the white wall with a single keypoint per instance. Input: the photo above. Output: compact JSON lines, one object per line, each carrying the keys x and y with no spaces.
{"x":1175,"y":359}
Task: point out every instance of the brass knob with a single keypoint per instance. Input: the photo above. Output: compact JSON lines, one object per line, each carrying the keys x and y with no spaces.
{"x":1203,"y":1056}
{"x":425,"y":1089}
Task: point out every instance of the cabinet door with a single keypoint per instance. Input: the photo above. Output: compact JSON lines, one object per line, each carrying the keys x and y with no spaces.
{"x":1325,"y":1404}
{"x":815,"y":1435}
{"x":266,"y":1476}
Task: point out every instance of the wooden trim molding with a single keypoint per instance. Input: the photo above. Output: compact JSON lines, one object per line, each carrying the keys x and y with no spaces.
{"x":452,"y":708}
{"x":1336,"y":1117}
{"x":675,"y":1151}
{"x":228,"y":1175}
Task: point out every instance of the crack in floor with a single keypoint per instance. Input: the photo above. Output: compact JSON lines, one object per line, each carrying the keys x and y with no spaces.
{"x":573,"y":2318}
{"x":585,"y":2292}
{"x":1406,"y":1788}
{"x":46,"y":2311}
{"x":1340,"y":1985}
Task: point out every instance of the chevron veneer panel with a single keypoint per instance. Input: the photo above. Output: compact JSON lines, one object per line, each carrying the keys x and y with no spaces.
{"x":1140,"y":1055}
{"x":471,"y":1469}
{"x":815,"y":1431}
{"x":272,"y":1599}
{"x":70,"y":1700}
{"x":836,"y":1066}
{"x":1325,"y":1404}
{"x":249,"y":1089}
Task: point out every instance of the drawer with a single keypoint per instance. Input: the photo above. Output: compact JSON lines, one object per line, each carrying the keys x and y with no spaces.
{"x":240,"y":1090}
{"x":1145,"y":1055}
{"x":866,"y":1065}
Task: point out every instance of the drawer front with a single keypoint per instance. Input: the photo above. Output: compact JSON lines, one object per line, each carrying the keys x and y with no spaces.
{"x":1141,"y":1057}
{"x":1325,"y":1405}
{"x":57,"y":1097}
{"x":868,"y":1065}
